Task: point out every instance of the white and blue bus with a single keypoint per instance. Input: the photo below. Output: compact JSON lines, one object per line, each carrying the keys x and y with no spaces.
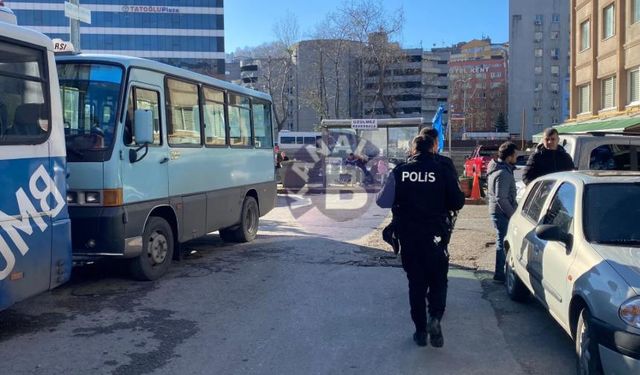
{"x":160,"y":155}
{"x":35,"y":238}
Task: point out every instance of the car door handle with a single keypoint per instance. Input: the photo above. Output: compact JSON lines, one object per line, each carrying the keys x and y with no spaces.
{"x":164,"y":160}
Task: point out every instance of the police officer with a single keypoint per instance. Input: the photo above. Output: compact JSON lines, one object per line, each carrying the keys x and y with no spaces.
{"x":421,"y":192}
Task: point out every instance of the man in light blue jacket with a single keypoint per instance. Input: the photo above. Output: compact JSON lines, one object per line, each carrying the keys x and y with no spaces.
{"x":502,"y":199}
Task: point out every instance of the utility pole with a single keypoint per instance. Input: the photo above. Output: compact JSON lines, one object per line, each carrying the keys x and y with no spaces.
{"x":523,"y":128}
{"x":74,"y":24}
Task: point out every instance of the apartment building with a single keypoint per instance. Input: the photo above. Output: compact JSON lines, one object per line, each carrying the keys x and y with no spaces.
{"x":605,"y":62}
{"x":402,"y":82}
{"x":477,"y":87}
{"x":435,"y":82}
{"x":538,"y":65}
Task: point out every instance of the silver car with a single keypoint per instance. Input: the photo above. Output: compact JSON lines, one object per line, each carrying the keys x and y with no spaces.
{"x":574,"y":244}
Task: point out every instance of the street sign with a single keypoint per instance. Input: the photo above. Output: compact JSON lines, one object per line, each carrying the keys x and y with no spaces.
{"x":60,"y":45}
{"x":364,"y":124}
{"x":77,"y":13}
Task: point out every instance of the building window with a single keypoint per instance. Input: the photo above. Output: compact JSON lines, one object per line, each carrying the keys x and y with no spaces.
{"x":539,"y":19}
{"x":555,"y":18}
{"x":608,"y":21}
{"x":538,"y":105}
{"x":537,"y":120}
{"x":634,"y":86}
{"x":555,"y":70}
{"x":538,"y":86}
{"x":555,"y":53}
{"x":538,"y":36}
{"x":538,"y":70}
{"x":584,"y":99}
{"x":609,"y":92}
{"x":538,"y":52}
{"x":635,"y":11}
{"x":585,"y":37}
{"x":554,"y":87}
{"x":554,"y":35}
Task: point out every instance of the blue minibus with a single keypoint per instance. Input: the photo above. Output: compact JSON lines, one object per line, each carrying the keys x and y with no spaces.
{"x":159,"y":155}
{"x":35,"y":238}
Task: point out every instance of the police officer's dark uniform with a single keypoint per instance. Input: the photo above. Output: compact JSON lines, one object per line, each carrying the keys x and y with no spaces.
{"x":424,"y":191}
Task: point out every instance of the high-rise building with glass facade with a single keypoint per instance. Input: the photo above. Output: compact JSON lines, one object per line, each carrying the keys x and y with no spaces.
{"x":186,"y":33}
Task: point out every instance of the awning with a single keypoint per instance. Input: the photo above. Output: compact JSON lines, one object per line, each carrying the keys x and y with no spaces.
{"x":619,"y":125}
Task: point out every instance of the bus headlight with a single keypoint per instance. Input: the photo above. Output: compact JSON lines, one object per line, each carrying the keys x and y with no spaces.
{"x":630,"y":312}
{"x":72,"y":197}
{"x":92,"y":197}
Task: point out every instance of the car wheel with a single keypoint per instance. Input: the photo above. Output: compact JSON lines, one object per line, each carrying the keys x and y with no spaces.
{"x":247,"y":230}
{"x":516,"y":289}
{"x":587,"y":354}
{"x":157,"y":251}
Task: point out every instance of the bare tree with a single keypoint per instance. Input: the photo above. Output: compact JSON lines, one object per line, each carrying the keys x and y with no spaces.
{"x":369,"y":24}
{"x":276,"y":67}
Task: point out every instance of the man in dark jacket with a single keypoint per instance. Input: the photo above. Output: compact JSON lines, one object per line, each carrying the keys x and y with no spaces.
{"x":502,"y":199}
{"x":549,"y":157}
{"x":421,"y":192}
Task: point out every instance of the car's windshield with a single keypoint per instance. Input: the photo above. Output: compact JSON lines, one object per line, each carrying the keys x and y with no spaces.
{"x":89,"y":94}
{"x":611,"y":211}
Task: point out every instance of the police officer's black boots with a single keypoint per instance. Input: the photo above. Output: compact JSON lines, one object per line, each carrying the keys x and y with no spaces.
{"x":420,"y":338}
{"x":435,"y":332}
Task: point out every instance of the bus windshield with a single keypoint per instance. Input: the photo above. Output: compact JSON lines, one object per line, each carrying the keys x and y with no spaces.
{"x":89,"y":94}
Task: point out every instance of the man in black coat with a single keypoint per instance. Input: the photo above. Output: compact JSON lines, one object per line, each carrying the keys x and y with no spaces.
{"x":421,"y":192}
{"x":549,"y":157}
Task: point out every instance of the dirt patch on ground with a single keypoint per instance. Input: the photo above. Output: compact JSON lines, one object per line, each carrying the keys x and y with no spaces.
{"x":472,"y":244}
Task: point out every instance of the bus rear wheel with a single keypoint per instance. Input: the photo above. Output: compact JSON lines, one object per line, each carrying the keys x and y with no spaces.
{"x":157,"y":251}
{"x":247,"y":229}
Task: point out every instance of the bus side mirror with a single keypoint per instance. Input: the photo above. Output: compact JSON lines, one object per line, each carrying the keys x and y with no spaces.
{"x":143,"y":133}
{"x":143,"y":126}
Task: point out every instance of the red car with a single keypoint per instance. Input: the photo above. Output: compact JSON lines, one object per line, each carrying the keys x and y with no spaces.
{"x":479,"y":160}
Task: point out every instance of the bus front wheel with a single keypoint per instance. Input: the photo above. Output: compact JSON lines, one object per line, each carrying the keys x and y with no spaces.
{"x":157,"y":251}
{"x":247,"y":229}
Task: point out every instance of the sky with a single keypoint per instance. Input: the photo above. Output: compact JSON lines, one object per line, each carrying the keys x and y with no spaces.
{"x":428,"y":23}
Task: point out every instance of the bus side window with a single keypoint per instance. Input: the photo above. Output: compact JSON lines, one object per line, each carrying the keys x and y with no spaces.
{"x":183,"y":113}
{"x":239,"y":120}
{"x":24,"y":100}
{"x":142,"y":99}
{"x":215,"y":130}
{"x":128,"y":122}
{"x":262,"y":127}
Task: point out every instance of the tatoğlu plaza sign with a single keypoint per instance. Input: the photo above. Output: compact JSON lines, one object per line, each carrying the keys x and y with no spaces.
{"x":149,"y":9}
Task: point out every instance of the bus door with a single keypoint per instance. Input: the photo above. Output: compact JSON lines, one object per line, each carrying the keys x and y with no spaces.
{"x":188,"y":163}
{"x":25,"y":175}
{"x":146,"y":179}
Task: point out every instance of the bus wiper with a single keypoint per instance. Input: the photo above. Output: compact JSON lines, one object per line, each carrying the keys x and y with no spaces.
{"x":621,"y":242}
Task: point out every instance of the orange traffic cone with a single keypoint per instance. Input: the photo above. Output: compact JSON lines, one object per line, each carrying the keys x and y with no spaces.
{"x":475,"y":189}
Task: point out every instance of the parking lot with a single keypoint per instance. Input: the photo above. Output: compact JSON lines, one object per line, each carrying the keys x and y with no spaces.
{"x":308,"y":296}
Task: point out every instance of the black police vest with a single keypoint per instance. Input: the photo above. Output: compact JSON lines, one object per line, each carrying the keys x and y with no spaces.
{"x":420,"y":195}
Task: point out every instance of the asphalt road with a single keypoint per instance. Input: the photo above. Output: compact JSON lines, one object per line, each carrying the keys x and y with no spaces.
{"x":314,"y":294}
